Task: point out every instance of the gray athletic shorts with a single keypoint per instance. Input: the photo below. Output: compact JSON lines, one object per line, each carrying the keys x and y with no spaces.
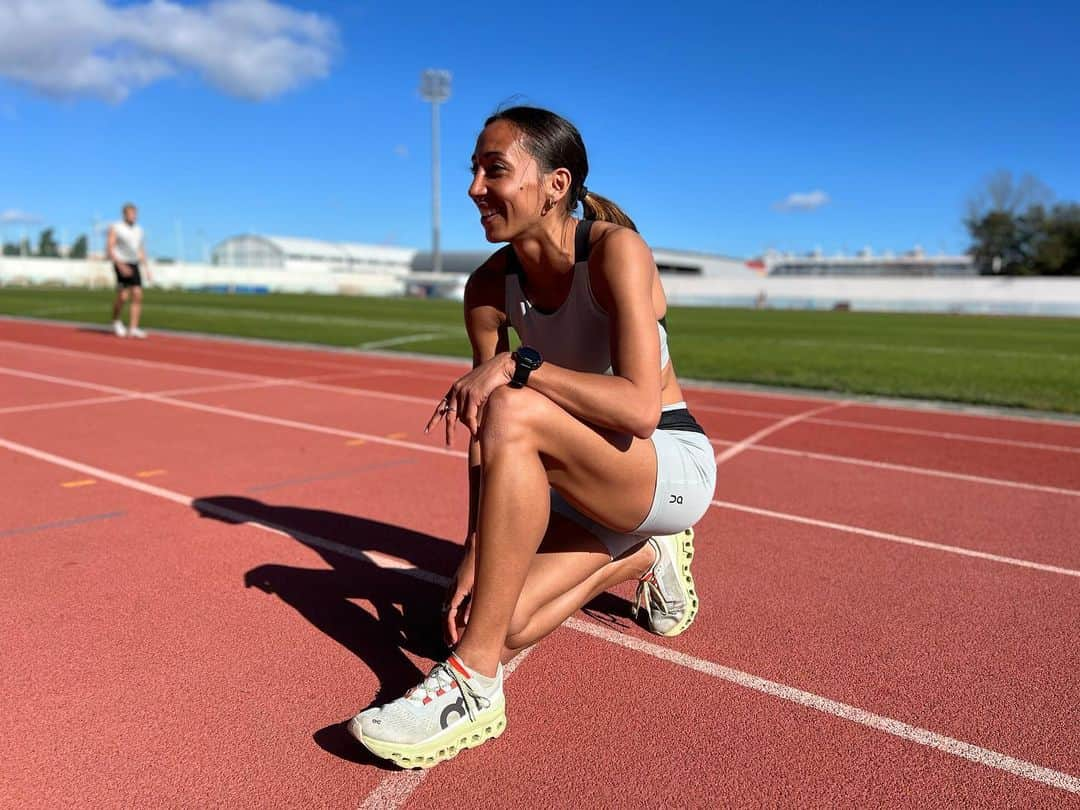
{"x":685,"y":483}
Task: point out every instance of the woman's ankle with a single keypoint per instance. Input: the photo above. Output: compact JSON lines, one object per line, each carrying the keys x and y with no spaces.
{"x":641,"y":561}
{"x":487,"y":666}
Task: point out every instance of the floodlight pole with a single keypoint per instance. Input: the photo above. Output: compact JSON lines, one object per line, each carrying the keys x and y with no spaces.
{"x":435,"y":87}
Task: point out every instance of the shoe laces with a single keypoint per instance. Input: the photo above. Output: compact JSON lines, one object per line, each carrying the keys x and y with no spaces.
{"x":649,"y":595}
{"x":442,"y":679}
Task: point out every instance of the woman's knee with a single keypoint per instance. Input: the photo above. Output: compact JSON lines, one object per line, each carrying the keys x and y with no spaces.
{"x":510,"y":416}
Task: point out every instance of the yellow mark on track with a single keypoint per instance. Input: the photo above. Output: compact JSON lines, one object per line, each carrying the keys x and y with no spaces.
{"x":150,"y":473}
{"x":397,"y":435}
{"x":356,"y":442}
{"x":82,"y":482}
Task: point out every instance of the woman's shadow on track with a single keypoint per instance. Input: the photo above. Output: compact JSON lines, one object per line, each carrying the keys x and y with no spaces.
{"x":406,"y":607}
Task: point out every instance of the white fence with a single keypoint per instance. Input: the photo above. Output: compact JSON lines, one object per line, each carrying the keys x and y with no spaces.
{"x":999,"y":295}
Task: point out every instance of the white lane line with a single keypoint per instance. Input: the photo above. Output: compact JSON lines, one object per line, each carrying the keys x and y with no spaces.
{"x":740,"y":446}
{"x":374,"y":557}
{"x":921,"y":736}
{"x":461,"y":454}
{"x":428,"y":448}
{"x":396,"y":788}
{"x":251,"y":417}
{"x":719,"y":390}
{"x":887,"y":725}
{"x":749,"y":441}
{"x":702,"y":390}
{"x":206,"y":389}
{"x":884,"y":465}
{"x":398,"y":341}
{"x":895,"y":538}
{"x":301,"y":382}
{"x":134,"y":361}
{"x":71,"y":403}
{"x":935,"y":434}
{"x":941,"y":434}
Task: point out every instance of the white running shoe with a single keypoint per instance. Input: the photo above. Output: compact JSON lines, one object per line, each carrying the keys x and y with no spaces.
{"x":451,"y":710}
{"x":137,"y":333}
{"x":666,"y":593}
{"x":118,"y":329}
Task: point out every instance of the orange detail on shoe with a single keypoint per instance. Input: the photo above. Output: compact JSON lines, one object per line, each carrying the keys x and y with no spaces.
{"x":440,"y":692}
{"x":458,"y":666}
{"x":427,"y":700}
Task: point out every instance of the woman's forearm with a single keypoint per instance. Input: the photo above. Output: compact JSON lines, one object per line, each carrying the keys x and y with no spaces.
{"x":605,"y":400}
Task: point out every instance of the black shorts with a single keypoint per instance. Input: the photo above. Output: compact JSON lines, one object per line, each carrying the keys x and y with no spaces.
{"x":134,"y":280}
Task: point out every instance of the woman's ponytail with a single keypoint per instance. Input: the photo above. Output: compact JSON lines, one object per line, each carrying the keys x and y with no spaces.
{"x":604,"y":210}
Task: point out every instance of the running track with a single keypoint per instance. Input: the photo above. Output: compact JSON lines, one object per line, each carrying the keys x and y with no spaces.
{"x":215,"y":552}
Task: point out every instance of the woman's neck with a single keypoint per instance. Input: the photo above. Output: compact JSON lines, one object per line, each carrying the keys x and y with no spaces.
{"x":550,"y":250}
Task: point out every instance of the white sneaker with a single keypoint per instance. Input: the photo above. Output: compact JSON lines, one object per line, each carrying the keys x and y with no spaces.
{"x":137,"y":333}
{"x":118,"y":329}
{"x":451,"y":710}
{"x":666,"y":593}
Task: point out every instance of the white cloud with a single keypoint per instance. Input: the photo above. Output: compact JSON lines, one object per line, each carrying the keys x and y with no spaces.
{"x":14,"y":216}
{"x":806,"y":201}
{"x":254,"y":49}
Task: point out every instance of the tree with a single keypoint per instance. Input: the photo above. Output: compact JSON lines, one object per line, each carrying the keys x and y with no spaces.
{"x":1003,"y":218}
{"x":47,"y":244}
{"x":999,"y":192}
{"x":1055,"y":241}
{"x":78,"y":249}
{"x":999,"y":243}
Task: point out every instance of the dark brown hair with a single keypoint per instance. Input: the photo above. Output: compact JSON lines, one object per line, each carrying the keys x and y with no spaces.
{"x":556,"y":143}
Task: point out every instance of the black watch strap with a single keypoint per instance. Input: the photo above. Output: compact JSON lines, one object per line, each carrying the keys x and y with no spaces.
{"x":526,"y":361}
{"x":521,"y":376}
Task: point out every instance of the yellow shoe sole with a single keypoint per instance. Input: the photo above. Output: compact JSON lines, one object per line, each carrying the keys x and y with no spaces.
{"x":684,"y":548}
{"x":487,"y":725}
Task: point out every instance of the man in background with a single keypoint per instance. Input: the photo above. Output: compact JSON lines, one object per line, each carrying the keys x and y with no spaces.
{"x":127,"y":252}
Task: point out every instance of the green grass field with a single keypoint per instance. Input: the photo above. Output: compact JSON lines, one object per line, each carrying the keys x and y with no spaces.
{"x":1004,"y":361}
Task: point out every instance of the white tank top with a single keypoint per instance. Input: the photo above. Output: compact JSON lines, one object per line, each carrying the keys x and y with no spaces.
{"x":576,"y":335}
{"x":129,"y":240}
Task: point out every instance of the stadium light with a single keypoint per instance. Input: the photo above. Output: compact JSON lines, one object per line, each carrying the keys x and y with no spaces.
{"x":435,"y":87}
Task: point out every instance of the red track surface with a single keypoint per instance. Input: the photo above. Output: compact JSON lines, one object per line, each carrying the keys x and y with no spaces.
{"x":891,"y":598}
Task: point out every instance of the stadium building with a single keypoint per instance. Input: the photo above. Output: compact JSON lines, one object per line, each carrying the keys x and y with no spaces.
{"x":914,"y":263}
{"x":313,"y":255}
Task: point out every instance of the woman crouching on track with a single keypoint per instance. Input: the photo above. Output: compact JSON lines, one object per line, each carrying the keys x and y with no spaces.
{"x":585,"y":467}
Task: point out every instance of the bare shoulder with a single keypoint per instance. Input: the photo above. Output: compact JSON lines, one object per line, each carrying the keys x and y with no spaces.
{"x":485,"y":294}
{"x":619,"y":256}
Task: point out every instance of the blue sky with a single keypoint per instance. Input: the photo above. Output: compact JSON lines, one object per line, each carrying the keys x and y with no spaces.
{"x":701,"y":119}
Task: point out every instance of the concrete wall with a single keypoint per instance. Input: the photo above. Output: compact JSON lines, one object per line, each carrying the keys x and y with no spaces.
{"x":93,"y":273}
{"x":1000,"y":295}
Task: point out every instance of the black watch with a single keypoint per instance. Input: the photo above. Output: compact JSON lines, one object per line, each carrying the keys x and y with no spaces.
{"x":526,"y":361}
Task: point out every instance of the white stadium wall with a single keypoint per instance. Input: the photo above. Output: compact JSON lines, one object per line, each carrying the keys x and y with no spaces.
{"x":982,"y":294}
{"x":94,"y":273}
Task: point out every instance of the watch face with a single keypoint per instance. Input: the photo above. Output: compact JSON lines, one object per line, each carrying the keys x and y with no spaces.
{"x":529,"y":357}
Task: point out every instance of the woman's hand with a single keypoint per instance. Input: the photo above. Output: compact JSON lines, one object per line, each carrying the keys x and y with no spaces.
{"x":458,"y":603}
{"x":465,"y":400}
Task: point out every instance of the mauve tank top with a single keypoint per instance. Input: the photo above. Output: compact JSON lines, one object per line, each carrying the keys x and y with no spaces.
{"x":576,"y":335}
